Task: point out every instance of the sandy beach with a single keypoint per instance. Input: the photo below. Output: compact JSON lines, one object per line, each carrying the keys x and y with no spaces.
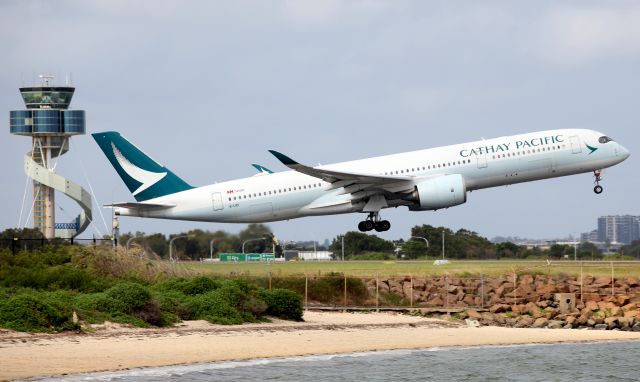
{"x":113,"y":347}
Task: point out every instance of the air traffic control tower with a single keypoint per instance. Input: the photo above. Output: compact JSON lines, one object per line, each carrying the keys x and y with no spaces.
{"x":50,"y":124}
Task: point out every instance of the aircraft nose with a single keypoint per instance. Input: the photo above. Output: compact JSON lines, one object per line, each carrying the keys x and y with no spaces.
{"x":623,"y":152}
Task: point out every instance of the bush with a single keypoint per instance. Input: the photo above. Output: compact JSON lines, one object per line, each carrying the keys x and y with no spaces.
{"x":215,"y":308}
{"x":283,"y":303}
{"x":131,"y":295}
{"x":200,"y":285}
{"x":34,"y":313}
{"x":175,"y":303}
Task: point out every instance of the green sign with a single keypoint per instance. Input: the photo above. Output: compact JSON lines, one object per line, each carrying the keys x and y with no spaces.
{"x":242,"y":257}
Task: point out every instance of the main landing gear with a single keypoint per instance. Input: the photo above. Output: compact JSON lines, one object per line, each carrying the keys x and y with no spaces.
{"x":598,"y":188}
{"x":373,"y":222}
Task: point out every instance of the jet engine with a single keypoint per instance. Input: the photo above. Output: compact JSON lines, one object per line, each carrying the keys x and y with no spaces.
{"x":439,"y":192}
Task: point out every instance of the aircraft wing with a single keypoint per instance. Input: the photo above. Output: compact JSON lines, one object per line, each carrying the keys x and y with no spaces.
{"x":360,"y":186}
{"x":141,"y":206}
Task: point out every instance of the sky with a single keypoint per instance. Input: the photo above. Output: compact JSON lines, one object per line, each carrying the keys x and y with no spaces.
{"x":207,"y":87}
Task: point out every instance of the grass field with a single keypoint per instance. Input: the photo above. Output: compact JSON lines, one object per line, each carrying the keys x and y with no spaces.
{"x":416,"y":268}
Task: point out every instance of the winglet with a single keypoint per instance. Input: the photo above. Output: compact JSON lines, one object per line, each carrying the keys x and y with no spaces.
{"x":262,"y":169}
{"x":283,"y":158}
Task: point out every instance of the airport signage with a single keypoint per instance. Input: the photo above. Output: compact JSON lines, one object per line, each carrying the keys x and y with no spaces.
{"x":240,"y":257}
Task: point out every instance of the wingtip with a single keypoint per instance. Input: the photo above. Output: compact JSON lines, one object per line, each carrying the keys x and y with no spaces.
{"x":283,"y":158}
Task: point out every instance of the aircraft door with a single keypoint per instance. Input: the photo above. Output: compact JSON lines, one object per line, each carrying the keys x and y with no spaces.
{"x":216,"y":199}
{"x":482,"y":160}
{"x":576,"y":148}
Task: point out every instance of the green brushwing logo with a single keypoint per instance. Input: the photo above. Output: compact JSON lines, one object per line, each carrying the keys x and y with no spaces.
{"x":591,"y":149}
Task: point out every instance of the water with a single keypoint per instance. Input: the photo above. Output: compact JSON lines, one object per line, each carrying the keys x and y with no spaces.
{"x":609,"y":361}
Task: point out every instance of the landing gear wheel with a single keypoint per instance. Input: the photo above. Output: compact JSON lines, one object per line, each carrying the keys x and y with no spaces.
{"x":382,"y":226}
{"x":598,"y":188}
{"x":373,"y":222}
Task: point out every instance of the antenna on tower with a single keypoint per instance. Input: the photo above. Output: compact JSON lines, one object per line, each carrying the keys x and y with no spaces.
{"x":46,"y":79}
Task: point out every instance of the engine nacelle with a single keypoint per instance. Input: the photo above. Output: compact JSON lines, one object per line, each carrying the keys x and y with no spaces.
{"x":439,"y":192}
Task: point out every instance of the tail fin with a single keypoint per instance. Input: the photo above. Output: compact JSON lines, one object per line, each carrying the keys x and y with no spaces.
{"x":145,"y":178}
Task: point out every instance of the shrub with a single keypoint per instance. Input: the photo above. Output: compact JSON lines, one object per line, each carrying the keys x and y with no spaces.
{"x":283,"y":303}
{"x":33,"y":313}
{"x":174,"y":302}
{"x":200,"y":285}
{"x":131,"y":295}
{"x":214,"y":307}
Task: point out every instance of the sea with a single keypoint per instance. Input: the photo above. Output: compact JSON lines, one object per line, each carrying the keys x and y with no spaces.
{"x":600,"y":361}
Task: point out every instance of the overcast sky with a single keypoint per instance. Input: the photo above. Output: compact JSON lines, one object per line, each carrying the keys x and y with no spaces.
{"x":207,"y":87}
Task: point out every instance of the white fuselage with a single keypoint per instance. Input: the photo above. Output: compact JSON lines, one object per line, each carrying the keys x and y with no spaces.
{"x":482,"y":164}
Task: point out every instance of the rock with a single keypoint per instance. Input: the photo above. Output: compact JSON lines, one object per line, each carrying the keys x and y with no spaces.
{"x":570,"y":320}
{"x":636,"y":327}
{"x":524,"y":322}
{"x":583,"y":319}
{"x":472,"y":323}
{"x":591,"y":322}
{"x":540,"y":322}
{"x":624,"y":323}
{"x":473,"y":314}
{"x":499,"y":308}
{"x":395,"y":287}
{"x":519,"y":309}
{"x":591,"y":297}
{"x":567,"y":326}
{"x":548,"y":290}
{"x":591,"y":306}
{"x":611,"y":322}
{"x":542,"y":303}
{"x":600,"y":327}
{"x":629,"y":307}
{"x":555,"y":324}
{"x":436,"y":301}
{"x":623,"y":300}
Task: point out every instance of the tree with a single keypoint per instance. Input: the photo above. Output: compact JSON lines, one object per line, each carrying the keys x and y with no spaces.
{"x":358,"y":243}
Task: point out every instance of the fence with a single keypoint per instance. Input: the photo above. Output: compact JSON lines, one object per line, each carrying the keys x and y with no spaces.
{"x":27,"y":244}
{"x":450,"y":292}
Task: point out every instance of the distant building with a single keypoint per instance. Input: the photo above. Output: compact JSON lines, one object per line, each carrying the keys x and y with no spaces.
{"x":590,"y":236}
{"x":618,"y":229}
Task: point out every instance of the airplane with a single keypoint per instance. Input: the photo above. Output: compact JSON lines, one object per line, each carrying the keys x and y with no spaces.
{"x":423,"y":180}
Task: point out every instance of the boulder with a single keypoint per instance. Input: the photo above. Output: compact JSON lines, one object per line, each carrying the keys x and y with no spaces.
{"x":570,"y":320}
{"x":591,"y":306}
{"x":395,"y":287}
{"x":636,"y":327}
{"x":623,"y":300}
{"x":435,"y":301}
{"x":540,"y":322}
{"x":555,"y":324}
{"x":499,"y":308}
{"x":582,"y":319}
{"x":600,"y":327}
{"x":632,"y":313}
{"x":611,"y":322}
{"x":546,"y":289}
{"x":419,"y":284}
{"x":519,"y":309}
{"x":473,"y":314}
{"x":567,"y":326}
{"x":524,"y":322}
{"x":591,"y":322}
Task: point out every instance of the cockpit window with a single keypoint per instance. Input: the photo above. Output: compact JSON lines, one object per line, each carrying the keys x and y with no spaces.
{"x":604,"y":139}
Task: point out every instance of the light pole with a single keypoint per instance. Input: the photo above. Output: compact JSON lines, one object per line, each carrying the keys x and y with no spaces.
{"x":129,"y":240}
{"x":211,"y":248}
{"x":171,"y":246}
{"x":421,"y":238}
{"x":246,"y":241}
{"x":442,"y":244}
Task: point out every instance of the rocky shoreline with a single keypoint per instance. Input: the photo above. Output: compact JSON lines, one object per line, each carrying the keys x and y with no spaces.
{"x":535,"y":301}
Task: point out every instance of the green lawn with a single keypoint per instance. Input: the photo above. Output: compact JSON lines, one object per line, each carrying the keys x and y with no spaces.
{"x":415,"y":268}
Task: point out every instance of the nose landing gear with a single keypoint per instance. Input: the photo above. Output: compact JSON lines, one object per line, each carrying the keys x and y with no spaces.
{"x":598,"y":188}
{"x":373,"y":222}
